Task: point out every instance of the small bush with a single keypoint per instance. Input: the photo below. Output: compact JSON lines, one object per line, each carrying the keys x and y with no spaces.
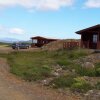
{"x":63,"y":82}
{"x":80,"y":85}
{"x":97,"y":65}
{"x":63,"y":62}
{"x":72,"y":55}
{"x":97,"y":69}
{"x":98,"y":86}
{"x":98,"y":72}
{"x":86,"y":72}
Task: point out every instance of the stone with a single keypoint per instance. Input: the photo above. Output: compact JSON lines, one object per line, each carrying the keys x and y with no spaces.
{"x":55,"y":74}
{"x":92,"y":95}
{"x":88,"y":65}
{"x":46,"y":82}
{"x":59,"y":70}
{"x":90,"y":91}
{"x":73,"y":70}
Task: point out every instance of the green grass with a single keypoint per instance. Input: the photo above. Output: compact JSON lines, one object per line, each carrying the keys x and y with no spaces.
{"x":97,"y":69}
{"x":86,"y":72}
{"x":98,"y":85}
{"x":29,"y":65}
{"x":4,"y":44}
{"x":37,"y":65}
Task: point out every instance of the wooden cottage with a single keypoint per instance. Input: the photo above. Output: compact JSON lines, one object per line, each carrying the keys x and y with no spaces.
{"x":90,"y":37}
{"x":40,"y":41}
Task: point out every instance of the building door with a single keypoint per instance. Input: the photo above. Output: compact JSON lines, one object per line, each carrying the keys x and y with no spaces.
{"x":95,"y":40}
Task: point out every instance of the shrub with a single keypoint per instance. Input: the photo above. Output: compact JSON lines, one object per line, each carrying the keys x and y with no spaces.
{"x":97,"y":69}
{"x":86,"y":72}
{"x":63,"y":62}
{"x":98,"y":72}
{"x":97,"y":65}
{"x":97,"y":85}
{"x":80,"y":85}
{"x":63,"y":82}
{"x":72,"y":55}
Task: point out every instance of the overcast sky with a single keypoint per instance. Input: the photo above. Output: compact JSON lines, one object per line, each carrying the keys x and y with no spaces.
{"x":22,"y":19}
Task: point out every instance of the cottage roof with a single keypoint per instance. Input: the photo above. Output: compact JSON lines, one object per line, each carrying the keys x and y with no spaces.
{"x":38,"y":37}
{"x":93,"y":28}
{"x":42,"y":38}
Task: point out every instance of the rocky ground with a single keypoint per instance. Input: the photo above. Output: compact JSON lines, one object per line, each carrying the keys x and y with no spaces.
{"x":9,"y":49}
{"x":89,"y":62}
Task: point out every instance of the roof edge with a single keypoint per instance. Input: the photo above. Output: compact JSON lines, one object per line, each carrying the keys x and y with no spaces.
{"x":79,"y":32}
{"x":43,"y":38}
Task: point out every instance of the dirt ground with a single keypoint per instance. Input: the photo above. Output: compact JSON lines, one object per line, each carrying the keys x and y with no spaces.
{"x":4,"y":49}
{"x":13,"y":88}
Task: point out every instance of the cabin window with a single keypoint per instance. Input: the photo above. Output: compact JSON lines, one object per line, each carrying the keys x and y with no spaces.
{"x":95,"y":38}
{"x":43,"y":42}
{"x":34,"y":41}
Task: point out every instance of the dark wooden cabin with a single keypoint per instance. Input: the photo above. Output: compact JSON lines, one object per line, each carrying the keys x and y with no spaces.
{"x":90,"y":37}
{"x":40,"y":41}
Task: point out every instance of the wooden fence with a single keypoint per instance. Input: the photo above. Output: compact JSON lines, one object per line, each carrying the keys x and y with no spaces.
{"x":71,"y":44}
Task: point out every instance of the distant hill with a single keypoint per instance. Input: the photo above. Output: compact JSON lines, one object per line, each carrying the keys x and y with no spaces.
{"x":2,"y":43}
{"x":11,"y":40}
{"x":8,"y":40}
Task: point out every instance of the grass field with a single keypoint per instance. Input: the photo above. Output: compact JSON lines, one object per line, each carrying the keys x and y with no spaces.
{"x":37,"y":64}
{"x":4,"y":44}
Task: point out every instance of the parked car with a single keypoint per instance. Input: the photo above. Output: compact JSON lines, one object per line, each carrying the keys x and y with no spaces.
{"x":20,"y":46}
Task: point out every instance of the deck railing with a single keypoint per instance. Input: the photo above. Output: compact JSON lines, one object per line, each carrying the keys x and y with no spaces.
{"x":71,"y":44}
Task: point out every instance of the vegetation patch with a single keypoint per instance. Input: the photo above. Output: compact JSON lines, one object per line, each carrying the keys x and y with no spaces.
{"x":80,"y":85}
{"x":97,"y":85}
{"x":5,"y":44}
{"x":97,"y":69}
{"x":86,"y":72}
{"x":75,"y":54}
{"x":39,"y":65}
{"x":63,"y":82}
